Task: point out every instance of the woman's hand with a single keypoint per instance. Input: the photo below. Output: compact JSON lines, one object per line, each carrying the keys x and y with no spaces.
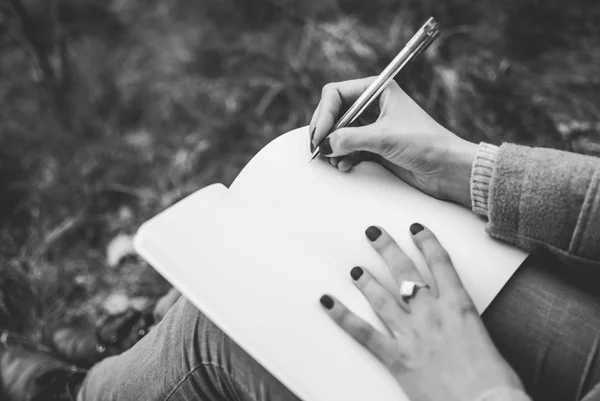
{"x":437,"y":347}
{"x":400,"y":135}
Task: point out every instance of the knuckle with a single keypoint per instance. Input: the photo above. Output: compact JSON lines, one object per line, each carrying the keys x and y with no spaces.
{"x":342,"y":141}
{"x":388,"y":92}
{"x":466,"y":305}
{"x":327,"y":88}
{"x":391,"y":248}
{"x":393,"y":85}
{"x":397,"y":363}
{"x":338,"y":313}
{"x":378,"y":301}
{"x":439,"y":256}
{"x":374,"y":293}
{"x":459,"y":301}
{"x":406,"y":352}
{"x":427,"y":238}
{"x":444,"y":258}
{"x":363,"y":333}
{"x":385,"y":240}
{"x":434,"y":249}
{"x":354,"y":326}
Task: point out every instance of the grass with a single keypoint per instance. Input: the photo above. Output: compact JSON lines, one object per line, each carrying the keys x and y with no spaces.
{"x":143,"y":102}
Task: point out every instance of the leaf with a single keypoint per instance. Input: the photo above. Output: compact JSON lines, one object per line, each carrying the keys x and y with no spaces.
{"x":116,"y":303}
{"x":120,"y":247}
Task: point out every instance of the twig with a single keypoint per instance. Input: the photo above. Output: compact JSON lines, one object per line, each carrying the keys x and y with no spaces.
{"x":56,"y":233}
{"x":268,"y":97}
{"x":139,"y":193}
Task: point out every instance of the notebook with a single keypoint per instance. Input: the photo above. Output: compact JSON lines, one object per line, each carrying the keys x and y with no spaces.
{"x":256,"y":257}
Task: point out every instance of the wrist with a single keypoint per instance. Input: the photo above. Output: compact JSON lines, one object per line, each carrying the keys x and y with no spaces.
{"x":456,"y":186}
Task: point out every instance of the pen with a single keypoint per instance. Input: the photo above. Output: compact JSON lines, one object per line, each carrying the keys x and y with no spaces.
{"x":415,"y":46}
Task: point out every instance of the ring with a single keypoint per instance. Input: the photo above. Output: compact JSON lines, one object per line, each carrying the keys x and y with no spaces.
{"x":409,"y":289}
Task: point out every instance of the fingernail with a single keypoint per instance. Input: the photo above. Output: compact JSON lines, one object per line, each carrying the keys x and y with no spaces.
{"x":416,"y":228}
{"x":326,"y":301}
{"x":325,"y":147}
{"x":312,"y":136}
{"x":356,"y":272}
{"x":373,"y":233}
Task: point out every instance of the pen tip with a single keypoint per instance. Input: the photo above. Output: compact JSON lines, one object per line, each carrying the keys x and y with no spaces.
{"x":314,"y":156}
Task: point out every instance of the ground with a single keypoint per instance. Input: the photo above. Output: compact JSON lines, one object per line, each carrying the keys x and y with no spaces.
{"x":111,"y":111}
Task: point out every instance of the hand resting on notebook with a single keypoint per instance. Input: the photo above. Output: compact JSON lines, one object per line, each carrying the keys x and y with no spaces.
{"x":437,"y":347}
{"x":400,"y":135}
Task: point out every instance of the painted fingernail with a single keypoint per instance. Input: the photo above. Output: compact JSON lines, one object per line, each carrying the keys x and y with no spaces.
{"x":356,"y":272}
{"x":312,"y":136}
{"x":325,"y":147}
{"x":416,"y":228}
{"x":373,"y":233}
{"x":326,"y":301}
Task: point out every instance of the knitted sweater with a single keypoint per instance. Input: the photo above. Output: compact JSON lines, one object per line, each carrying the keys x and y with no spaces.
{"x":538,"y":198}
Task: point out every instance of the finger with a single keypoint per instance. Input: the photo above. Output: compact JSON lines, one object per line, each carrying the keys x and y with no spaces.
{"x":347,"y":162}
{"x":379,"y":344}
{"x":401,"y":266}
{"x":334,"y":161}
{"x":335,"y":97}
{"x":383,"y":303}
{"x":311,"y":128}
{"x":437,"y":258}
{"x":353,"y":139}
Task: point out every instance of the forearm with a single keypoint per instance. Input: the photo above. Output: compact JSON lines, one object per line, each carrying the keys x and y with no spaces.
{"x":540,"y":198}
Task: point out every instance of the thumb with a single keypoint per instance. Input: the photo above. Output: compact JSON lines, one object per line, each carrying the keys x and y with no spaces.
{"x":353,"y":139}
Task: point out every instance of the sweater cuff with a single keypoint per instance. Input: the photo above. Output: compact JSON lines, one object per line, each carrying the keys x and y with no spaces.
{"x":504,"y":394}
{"x":481,"y":175}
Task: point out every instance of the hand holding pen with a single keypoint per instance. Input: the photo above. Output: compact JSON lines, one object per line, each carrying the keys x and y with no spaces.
{"x":415,"y":46}
{"x":400,"y":135}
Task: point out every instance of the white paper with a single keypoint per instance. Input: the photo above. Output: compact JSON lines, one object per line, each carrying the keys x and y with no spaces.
{"x":371,"y":195}
{"x":256,"y":259}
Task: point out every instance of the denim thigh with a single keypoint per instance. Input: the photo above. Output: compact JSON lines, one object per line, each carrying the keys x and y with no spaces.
{"x":546,"y":323}
{"x":185,"y":357}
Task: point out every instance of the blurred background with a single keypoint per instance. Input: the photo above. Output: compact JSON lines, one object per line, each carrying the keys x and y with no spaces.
{"x":112,"y":110}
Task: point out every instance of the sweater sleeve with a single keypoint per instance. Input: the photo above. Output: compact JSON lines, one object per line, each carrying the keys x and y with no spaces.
{"x":540,"y":198}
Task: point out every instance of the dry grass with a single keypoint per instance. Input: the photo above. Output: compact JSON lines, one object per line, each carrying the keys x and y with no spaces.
{"x":162,"y":98}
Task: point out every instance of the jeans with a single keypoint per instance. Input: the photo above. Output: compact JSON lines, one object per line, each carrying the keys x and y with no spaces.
{"x":545,"y":322}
